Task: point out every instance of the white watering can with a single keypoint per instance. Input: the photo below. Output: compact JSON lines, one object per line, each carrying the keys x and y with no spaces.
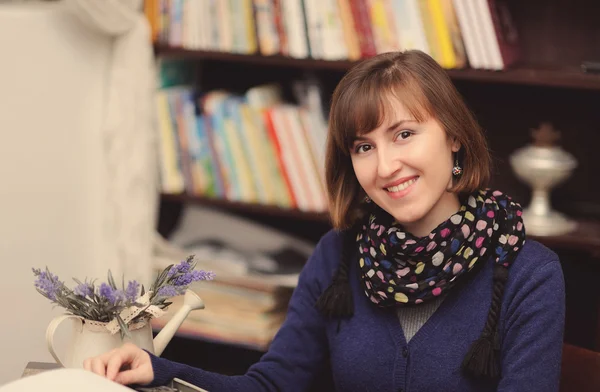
{"x":92,"y":338}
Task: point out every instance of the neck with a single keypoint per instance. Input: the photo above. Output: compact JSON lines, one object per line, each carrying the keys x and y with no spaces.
{"x":447,"y":205}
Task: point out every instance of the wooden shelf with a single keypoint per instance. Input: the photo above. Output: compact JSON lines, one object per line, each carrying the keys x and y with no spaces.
{"x":572,"y":77}
{"x":278,"y":61}
{"x":564,"y":77}
{"x":585,"y":237}
{"x":251,"y":208}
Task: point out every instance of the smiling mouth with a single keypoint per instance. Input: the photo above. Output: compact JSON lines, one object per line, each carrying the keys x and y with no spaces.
{"x":403,"y":186}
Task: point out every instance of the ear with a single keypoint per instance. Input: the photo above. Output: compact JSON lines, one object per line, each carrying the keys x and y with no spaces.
{"x":455,"y":145}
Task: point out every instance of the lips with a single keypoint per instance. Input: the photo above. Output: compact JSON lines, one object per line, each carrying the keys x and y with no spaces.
{"x":400,"y":189}
{"x":399,"y":181}
{"x":401,"y":184}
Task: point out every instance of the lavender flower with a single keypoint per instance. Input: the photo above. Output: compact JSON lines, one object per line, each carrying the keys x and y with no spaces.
{"x":205,"y":275}
{"x":180,"y":268}
{"x":113,"y":296}
{"x":193,"y":276}
{"x":167,"y":291}
{"x":48,"y":283}
{"x":119,"y":296}
{"x":131,"y":291}
{"x":183,"y":280}
{"x":104,"y":302}
{"x":84,"y":290}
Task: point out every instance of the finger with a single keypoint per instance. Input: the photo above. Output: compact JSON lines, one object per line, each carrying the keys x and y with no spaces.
{"x":98,"y":366}
{"x":125,"y":355}
{"x":114,"y":365}
{"x":87,"y":363}
{"x":133,"y":376}
{"x":107,"y":355}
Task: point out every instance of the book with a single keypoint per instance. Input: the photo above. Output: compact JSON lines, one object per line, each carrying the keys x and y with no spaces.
{"x":176,"y":385}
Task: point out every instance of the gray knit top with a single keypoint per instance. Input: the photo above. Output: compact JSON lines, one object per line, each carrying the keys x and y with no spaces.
{"x":414,"y":317}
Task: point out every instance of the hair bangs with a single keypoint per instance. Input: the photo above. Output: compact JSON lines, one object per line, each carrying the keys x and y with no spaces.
{"x":357,"y":113}
{"x":367,"y":107}
{"x":410,"y":94}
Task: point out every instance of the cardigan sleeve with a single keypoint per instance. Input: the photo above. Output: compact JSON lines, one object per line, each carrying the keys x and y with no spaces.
{"x":295,"y":357}
{"x":533,"y":333}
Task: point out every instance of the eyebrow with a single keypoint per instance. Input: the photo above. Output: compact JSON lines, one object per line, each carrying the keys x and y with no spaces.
{"x":390,"y":128}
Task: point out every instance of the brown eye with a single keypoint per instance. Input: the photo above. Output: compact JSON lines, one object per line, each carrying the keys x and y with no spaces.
{"x":361,"y":149}
{"x":404,"y":135}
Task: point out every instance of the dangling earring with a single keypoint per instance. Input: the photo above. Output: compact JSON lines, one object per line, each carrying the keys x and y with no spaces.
{"x":367,"y":199}
{"x":456,"y":170}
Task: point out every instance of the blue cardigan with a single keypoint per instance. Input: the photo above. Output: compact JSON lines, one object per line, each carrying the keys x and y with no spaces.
{"x":369,"y":351}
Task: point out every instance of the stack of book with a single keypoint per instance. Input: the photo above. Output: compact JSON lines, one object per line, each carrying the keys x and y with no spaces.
{"x":243,"y":312}
{"x":454,"y":32}
{"x":252,"y":148}
{"x":256,"y":270}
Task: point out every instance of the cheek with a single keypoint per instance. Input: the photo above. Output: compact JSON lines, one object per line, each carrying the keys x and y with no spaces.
{"x":438,"y":165}
{"x":442,"y":156}
{"x":363,"y":172}
{"x":445,"y":163}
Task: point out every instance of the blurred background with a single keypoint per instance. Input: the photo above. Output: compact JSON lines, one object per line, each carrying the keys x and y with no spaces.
{"x":134,"y":133}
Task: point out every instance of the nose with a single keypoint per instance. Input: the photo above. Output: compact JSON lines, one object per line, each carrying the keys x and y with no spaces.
{"x":388,"y":163}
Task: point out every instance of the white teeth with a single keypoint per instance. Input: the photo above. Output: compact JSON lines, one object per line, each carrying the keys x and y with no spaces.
{"x":402,"y":186}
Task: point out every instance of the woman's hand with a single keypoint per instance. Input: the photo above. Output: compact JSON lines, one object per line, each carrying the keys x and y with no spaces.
{"x":125,"y":365}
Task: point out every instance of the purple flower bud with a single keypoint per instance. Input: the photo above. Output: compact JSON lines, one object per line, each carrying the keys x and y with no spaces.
{"x":105,"y":290}
{"x":183,"y":280}
{"x":48,"y":284}
{"x":167,"y":291}
{"x":113,"y":296}
{"x":180,"y":268}
{"x":131,"y":291}
{"x":203,"y":275}
{"x":193,"y":276}
{"x":84,"y":290}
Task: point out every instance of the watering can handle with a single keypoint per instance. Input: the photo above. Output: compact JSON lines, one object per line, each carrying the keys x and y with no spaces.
{"x":52,"y":327}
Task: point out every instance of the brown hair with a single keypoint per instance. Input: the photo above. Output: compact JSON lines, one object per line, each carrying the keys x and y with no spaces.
{"x":360,"y":102}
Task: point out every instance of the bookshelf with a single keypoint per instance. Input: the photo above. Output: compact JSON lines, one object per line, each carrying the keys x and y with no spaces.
{"x":253,"y":208}
{"x":563,"y":77}
{"x":547,"y":84}
{"x":585,"y":237}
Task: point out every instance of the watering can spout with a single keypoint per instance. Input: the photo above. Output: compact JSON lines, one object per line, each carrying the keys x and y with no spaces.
{"x":191,"y":301}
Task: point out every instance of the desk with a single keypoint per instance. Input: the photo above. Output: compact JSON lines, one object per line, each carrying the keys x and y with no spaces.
{"x":33,"y":368}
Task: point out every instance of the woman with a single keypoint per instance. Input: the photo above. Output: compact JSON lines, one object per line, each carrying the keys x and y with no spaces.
{"x":427,"y":283}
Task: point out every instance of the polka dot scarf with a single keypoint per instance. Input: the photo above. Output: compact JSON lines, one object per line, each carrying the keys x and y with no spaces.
{"x":398,"y":268}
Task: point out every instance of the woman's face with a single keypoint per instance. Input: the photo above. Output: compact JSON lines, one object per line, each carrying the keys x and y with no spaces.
{"x":406,"y":168}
